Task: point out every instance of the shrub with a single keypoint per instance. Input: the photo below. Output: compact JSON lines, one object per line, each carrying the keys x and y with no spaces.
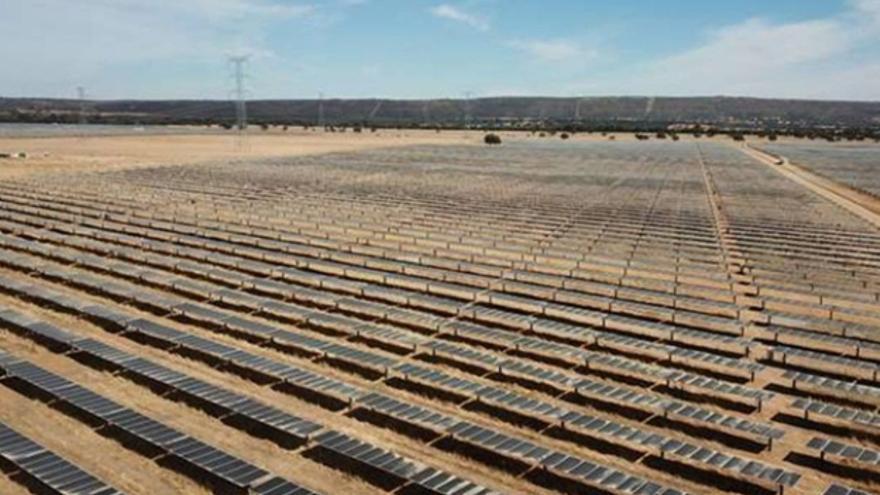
{"x":564,"y":136}
{"x":492,"y":139}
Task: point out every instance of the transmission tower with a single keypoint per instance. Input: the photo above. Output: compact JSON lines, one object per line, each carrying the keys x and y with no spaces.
{"x":238,"y":64}
{"x":649,"y":106}
{"x":374,"y":111}
{"x":321,"y":110}
{"x":426,"y":115}
{"x":467,"y":108}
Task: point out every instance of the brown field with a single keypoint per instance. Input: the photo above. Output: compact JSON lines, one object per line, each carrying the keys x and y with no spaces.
{"x":411,"y":312}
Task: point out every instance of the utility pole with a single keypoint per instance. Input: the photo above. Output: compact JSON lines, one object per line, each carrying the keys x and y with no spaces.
{"x":238,"y":65}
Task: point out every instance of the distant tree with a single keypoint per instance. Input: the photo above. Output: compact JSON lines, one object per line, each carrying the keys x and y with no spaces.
{"x":492,"y":139}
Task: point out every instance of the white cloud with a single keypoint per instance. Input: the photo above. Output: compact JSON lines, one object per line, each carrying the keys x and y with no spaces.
{"x":56,"y":45}
{"x":821,"y":58}
{"x":213,"y":10}
{"x":453,"y":13}
{"x":553,"y":50}
{"x":868,"y":7}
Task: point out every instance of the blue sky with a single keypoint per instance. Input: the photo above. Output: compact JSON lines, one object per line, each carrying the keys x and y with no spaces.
{"x":436,"y":49}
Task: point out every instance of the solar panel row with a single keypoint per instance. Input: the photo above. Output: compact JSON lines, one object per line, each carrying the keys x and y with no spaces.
{"x":614,"y":364}
{"x":235,"y":409}
{"x":200,"y":460}
{"x":224,"y":401}
{"x":51,"y":473}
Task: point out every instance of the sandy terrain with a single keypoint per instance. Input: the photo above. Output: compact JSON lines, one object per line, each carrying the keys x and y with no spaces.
{"x":93,"y":153}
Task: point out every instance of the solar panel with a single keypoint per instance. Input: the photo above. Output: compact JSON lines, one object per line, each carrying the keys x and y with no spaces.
{"x":856,"y":455}
{"x":391,"y":466}
{"x":588,"y":473}
{"x":848,"y":416}
{"x":280,"y":486}
{"x":218,"y":465}
{"x":837,"y":489}
{"x":421,"y":417}
{"x":163,"y":335}
{"x":818,"y":360}
{"x":833,"y":387}
{"x":47,"y":468}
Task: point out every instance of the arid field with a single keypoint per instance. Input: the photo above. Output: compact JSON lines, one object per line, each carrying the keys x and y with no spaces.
{"x":414,"y":312}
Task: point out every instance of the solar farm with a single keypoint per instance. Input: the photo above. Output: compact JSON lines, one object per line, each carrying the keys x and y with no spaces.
{"x":651,"y":318}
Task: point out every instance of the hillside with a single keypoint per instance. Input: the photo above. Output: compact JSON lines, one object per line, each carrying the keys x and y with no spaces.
{"x":708,"y":110}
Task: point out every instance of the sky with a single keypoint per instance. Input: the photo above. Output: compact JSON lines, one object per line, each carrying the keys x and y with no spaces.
{"x":178,"y":49}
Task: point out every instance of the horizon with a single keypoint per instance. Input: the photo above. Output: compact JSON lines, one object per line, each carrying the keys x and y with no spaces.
{"x":476,"y":98}
{"x":392,"y":49}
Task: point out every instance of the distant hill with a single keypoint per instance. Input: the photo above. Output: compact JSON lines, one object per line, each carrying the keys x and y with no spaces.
{"x":723,"y":111}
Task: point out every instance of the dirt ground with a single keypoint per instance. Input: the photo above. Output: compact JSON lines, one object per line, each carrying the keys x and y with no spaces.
{"x":93,"y":153}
